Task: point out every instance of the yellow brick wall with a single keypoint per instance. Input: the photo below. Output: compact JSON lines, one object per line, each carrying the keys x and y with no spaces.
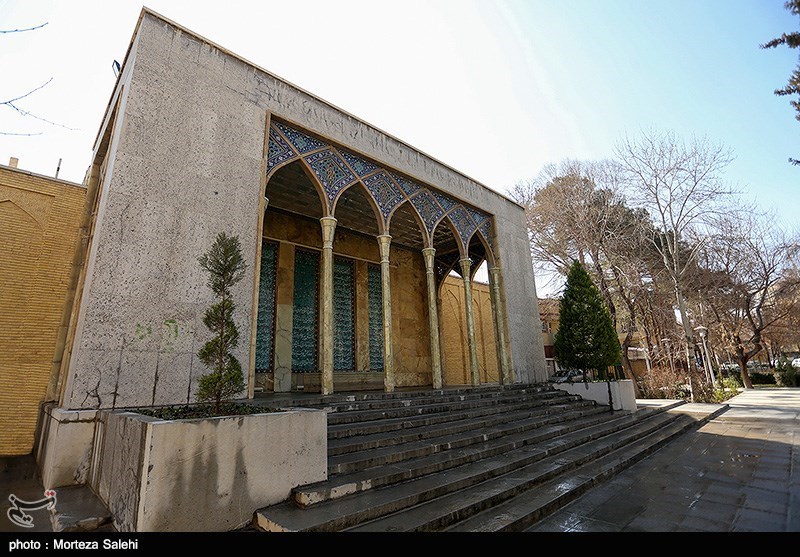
{"x":455,"y":350}
{"x":39,"y":228}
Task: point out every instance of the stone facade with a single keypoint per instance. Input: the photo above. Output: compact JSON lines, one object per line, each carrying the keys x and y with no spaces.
{"x":39,"y":232}
{"x":194,"y":138}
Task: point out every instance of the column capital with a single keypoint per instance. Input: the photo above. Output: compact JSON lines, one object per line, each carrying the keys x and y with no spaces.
{"x":384,"y":241}
{"x":466,"y":265}
{"x":428,"y":254}
{"x":328,"y":228}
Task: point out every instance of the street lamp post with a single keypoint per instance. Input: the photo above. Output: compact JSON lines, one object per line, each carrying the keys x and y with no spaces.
{"x":703,"y":331}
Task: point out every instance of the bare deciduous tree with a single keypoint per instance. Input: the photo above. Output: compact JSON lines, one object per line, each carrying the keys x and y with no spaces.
{"x":13,"y":103}
{"x":749,"y":281}
{"x":680,"y":185}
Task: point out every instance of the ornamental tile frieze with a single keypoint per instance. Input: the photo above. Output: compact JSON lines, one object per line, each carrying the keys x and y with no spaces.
{"x":301,"y":142}
{"x":428,"y":210}
{"x":385,"y":193}
{"x":278,"y":150}
{"x":331,"y":171}
{"x":336,"y":169}
{"x":359,"y":165}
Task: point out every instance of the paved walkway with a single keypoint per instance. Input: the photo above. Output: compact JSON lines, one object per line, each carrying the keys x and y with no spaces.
{"x":740,"y":472}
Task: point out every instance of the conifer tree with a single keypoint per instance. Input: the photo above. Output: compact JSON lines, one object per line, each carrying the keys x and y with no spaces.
{"x":792,"y":40}
{"x":225,"y":268}
{"x":586,"y":339}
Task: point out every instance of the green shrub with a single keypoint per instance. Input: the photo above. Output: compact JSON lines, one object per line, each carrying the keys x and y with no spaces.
{"x":787,"y":375}
{"x":225,"y":268}
{"x":762,"y":378}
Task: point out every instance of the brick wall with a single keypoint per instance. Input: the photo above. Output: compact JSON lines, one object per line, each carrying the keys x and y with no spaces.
{"x":39,"y":228}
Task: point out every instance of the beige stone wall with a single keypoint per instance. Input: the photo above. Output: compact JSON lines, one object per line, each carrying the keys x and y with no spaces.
{"x":454,"y":333}
{"x":412,"y":360}
{"x":39,"y":222}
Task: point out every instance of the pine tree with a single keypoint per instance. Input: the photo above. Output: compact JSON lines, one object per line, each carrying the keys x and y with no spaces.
{"x":586,"y":339}
{"x":792,"y":40}
{"x":225,"y":268}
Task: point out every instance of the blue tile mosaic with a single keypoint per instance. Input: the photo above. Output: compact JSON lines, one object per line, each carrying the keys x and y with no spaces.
{"x":486,"y":231}
{"x":409,"y":186}
{"x":463,"y":223}
{"x":361,"y":167}
{"x":427,"y":208}
{"x":444,"y":201}
{"x":385,"y":193}
{"x":300,"y":141}
{"x":331,"y":171}
{"x":478,"y":216}
{"x":278,"y":149}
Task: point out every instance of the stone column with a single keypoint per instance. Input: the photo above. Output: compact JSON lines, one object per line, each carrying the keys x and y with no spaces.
{"x":284,"y":301}
{"x":473,"y":349}
{"x":384,"y":241}
{"x":251,"y":374}
{"x":500,"y":337}
{"x":326,"y":304}
{"x":433,"y":318}
{"x":362,"y":316}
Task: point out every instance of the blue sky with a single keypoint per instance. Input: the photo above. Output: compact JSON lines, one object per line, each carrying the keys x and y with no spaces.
{"x":495,"y":89}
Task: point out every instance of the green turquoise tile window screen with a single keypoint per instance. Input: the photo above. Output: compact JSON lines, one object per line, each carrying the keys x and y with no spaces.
{"x":375,"y":303}
{"x":265,"y":323}
{"x":305,"y":311}
{"x":343,"y":315}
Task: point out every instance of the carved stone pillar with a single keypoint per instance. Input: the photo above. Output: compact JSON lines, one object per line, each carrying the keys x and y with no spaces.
{"x":466,"y":264}
{"x":501,"y":339}
{"x":326,"y":304}
{"x":433,"y":318}
{"x":384,"y":241}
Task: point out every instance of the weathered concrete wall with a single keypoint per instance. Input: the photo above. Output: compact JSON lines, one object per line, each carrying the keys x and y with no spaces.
{"x":205,"y":475}
{"x":39,"y":229}
{"x":271,"y":93}
{"x":622,"y":396}
{"x":64,"y":443}
{"x":186,"y":165}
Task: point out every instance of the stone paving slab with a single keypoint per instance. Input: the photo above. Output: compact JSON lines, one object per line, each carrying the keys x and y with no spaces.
{"x":740,"y":472}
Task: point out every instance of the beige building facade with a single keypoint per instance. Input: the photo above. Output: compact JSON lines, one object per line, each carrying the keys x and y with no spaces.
{"x":40,"y":220}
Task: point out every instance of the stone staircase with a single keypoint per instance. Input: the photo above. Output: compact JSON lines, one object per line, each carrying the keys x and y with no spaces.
{"x":490,"y":458}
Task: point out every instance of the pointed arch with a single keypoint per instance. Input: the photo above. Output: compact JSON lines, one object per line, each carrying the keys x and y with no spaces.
{"x":407,"y":208}
{"x":359,"y":188}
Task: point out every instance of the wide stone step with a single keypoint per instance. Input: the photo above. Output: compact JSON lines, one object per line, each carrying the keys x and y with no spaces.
{"x":526,"y":509}
{"x":469,"y":501}
{"x":361,"y":442}
{"x":414,"y":398}
{"x":505,"y":456}
{"x":478,"y":433}
{"x":337,"y":431}
{"x":426,"y":407}
{"x":340,"y":485}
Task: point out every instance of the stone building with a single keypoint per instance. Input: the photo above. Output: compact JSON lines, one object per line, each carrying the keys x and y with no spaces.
{"x":349,"y":235}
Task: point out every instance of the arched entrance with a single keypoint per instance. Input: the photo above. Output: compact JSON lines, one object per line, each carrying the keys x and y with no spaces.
{"x":348,"y":269}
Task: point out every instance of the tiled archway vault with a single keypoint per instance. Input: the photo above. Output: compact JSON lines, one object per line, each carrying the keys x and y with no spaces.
{"x":338,"y":169}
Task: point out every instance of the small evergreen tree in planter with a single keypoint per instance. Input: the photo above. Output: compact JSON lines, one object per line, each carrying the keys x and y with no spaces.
{"x":586,"y":339}
{"x":225,"y":268}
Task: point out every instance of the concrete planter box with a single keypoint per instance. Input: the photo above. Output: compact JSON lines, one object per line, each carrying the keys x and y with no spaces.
{"x":207,"y":474}
{"x":622,"y":394}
